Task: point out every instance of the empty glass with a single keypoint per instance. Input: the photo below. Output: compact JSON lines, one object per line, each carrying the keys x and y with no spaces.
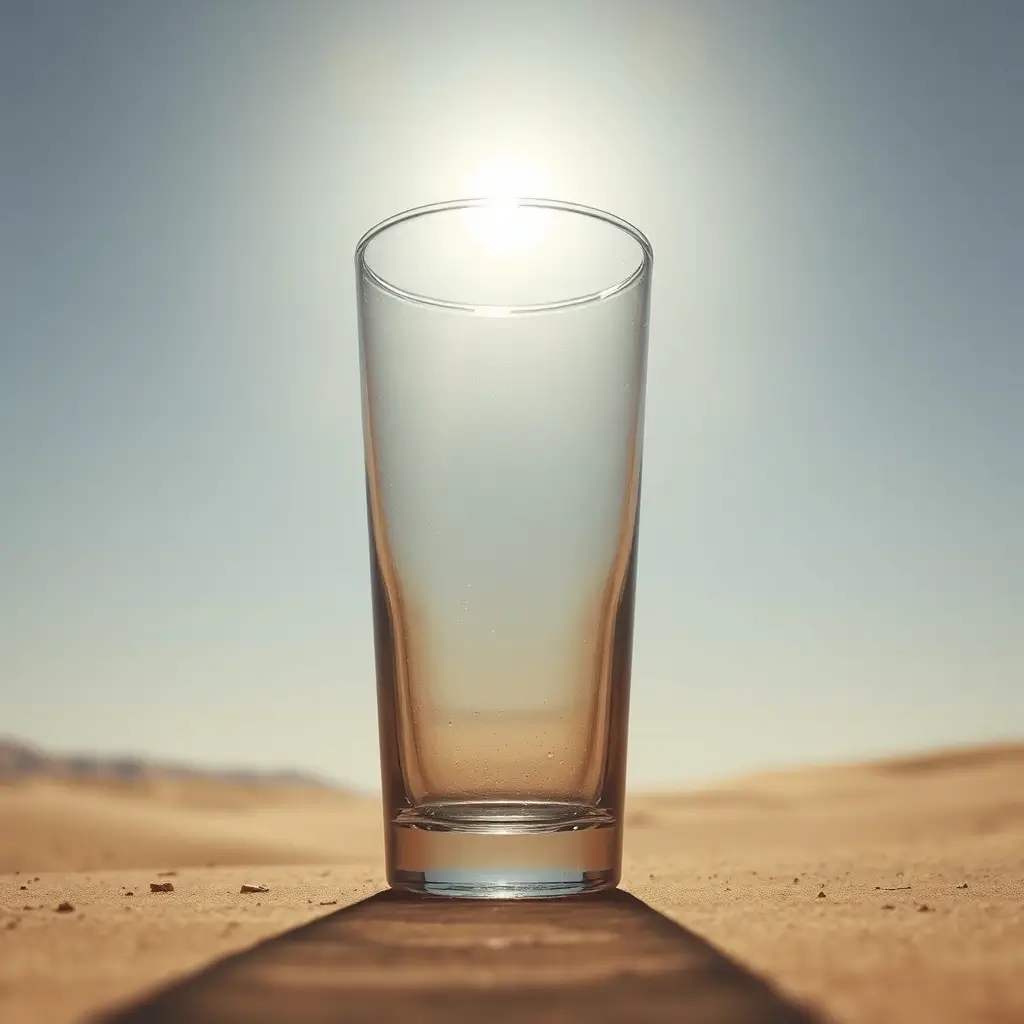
{"x":503,"y":351}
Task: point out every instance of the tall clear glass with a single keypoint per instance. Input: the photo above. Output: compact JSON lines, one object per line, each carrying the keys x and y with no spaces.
{"x":503,"y":352}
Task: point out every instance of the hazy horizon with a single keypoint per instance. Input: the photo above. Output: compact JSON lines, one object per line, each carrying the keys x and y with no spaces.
{"x":276,"y":772}
{"x":831,"y":558}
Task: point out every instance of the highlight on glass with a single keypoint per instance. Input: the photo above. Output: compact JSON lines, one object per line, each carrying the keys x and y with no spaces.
{"x":503,"y":355}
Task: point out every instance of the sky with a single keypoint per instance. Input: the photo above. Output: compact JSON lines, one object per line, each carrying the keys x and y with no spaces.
{"x":832,"y":523}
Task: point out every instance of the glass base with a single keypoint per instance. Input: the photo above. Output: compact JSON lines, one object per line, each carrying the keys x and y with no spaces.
{"x":504,"y":850}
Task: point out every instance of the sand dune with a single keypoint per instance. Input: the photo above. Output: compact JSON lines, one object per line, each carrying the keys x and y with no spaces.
{"x":1009,"y":754}
{"x":814,"y":879}
{"x":56,"y":826}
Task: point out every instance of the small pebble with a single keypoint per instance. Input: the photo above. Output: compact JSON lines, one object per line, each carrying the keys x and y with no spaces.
{"x":925,"y":909}
{"x":962,"y":885}
{"x":821,"y":895}
{"x":328,"y":903}
{"x":254,"y":888}
{"x":888,"y":906}
{"x":161,"y":887}
{"x":65,"y":908}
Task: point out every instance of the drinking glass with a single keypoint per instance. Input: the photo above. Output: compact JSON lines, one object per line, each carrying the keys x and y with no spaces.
{"x":503,"y":354}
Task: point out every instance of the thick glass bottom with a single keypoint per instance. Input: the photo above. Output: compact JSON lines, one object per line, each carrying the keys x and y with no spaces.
{"x":504,"y":850}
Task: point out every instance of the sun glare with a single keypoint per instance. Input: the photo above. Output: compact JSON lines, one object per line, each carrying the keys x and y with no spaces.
{"x":503,"y":223}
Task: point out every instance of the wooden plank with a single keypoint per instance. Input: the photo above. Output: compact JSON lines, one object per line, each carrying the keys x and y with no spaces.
{"x":595,"y":959}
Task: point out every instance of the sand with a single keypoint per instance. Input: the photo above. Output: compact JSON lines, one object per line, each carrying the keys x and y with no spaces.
{"x":742,"y":865}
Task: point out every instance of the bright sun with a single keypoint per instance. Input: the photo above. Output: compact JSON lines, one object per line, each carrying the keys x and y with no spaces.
{"x":506,"y":181}
{"x":503,"y":223}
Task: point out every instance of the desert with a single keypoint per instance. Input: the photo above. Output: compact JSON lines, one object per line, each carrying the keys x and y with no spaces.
{"x":869,"y":893}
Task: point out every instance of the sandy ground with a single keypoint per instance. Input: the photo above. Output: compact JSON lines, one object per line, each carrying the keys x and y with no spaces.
{"x":875,"y":893}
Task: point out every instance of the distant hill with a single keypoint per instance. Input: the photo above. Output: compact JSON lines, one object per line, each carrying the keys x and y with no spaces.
{"x":20,"y":761}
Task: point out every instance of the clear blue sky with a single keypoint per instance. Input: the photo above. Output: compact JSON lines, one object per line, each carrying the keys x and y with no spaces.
{"x":832,"y":527}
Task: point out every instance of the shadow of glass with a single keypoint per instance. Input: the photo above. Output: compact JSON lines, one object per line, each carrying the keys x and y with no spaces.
{"x":599,"y":958}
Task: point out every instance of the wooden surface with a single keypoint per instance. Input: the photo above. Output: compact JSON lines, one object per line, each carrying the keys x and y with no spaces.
{"x":392,"y":958}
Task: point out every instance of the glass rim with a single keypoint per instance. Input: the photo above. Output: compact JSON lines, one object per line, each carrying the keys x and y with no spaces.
{"x":557,"y":205}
